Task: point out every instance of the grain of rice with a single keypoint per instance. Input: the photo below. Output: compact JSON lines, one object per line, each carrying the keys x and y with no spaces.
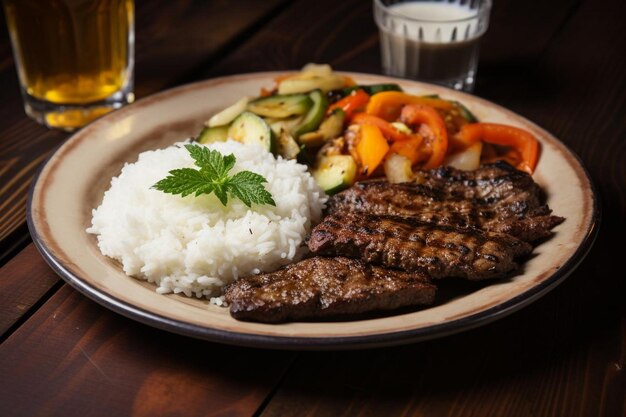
{"x":194,"y":245}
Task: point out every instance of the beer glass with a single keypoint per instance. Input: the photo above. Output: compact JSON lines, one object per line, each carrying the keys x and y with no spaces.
{"x":74,"y":58}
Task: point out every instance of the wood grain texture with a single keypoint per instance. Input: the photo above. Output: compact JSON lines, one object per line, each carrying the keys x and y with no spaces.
{"x":346,"y":36}
{"x":23,"y":282}
{"x":342,"y":34}
{"x":560,"y":64}
{"x":76,"y":358}
{"x":172,"y":39}
{"x":544,"y":361}
{"x":564,"y":355}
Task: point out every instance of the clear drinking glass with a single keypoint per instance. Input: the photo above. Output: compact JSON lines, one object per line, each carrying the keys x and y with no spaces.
{"x":74,"y":58}
{"x":432,"y":41}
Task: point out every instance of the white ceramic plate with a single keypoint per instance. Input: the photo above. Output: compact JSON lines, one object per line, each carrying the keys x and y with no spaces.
{"x":74,"y":179}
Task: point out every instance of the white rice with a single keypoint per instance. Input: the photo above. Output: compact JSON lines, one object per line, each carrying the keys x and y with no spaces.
{"x":195,"y":245}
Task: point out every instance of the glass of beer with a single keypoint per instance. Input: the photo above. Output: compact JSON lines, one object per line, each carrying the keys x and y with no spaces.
{"x":74,"y":58}
{"x":430,"y":40}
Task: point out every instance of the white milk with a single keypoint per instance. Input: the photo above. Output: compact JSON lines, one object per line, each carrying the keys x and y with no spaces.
{"x":431,"y":41}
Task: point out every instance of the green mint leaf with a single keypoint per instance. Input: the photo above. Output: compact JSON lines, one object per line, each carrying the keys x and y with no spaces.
{"x":212,"y":162}
{"x":212,"y":177}
{"x":247,"y":177}
{"x":248,"y":187}
{"x":182,"y":181}
{"x":220,"y":192}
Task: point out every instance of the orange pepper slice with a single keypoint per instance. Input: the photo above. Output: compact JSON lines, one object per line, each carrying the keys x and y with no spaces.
{"x":371,"y":148}
{"x":385,"y":127}
{"x":437,"y":143}
{"x":409,"y":148}
{"x":388,"y":104}
{"x":523,"y":142}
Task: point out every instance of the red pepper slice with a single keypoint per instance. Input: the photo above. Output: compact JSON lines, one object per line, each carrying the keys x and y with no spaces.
{"x":385,"y":127}
{"x":437,"y":139}
{"x":523,"y":142}
{"x":357,"y":100}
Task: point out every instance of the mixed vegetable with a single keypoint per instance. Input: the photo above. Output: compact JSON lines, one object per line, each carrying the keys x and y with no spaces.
{"x":348,"y":132}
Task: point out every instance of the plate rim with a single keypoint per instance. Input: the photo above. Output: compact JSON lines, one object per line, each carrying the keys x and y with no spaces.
{"x":181,"y":327}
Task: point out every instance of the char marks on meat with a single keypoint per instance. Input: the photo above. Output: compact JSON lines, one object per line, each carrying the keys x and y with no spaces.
{"x":496,"y":197}
{"x":412,"y":245}
{"x":325,"y":287}
{"x":385,"y":242}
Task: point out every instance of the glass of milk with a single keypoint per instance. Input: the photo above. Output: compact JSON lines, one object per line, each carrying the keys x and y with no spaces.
{"x":432,"y":41}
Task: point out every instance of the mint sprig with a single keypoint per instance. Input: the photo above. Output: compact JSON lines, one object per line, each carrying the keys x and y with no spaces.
{"x":212,"y":177}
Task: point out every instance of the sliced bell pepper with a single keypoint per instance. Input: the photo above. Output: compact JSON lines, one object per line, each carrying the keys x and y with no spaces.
{"x":371,"y":148}
{"x":523,"y":142}
{"x":350,"y":104}
{"x":437,"y":140}
{"x":388,"y":104}
{"x":409,"y":148}
{"x":385,"y":127}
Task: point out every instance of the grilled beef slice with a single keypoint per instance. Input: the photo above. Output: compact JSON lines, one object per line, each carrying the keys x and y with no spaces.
{"x":496,"y":198}
{"x":322,"y":287}
{"x":411,"y":245}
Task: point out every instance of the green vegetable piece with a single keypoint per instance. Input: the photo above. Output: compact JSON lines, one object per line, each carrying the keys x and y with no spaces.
{"x":281,"y":105}
{"x":335,"y":173}
{"x":314,"y":117}
{"x":249,"y":128}
{"x":212,"y":177}
{"x":213,"y":134}
{"x":312,"y":139}
{"x":329,"y":129}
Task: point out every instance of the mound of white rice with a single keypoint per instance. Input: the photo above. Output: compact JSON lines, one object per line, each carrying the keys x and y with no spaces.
{"x":195,"y":245}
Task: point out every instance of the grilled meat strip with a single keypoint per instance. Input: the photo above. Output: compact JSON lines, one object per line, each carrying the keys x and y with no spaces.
{"x":409,"y":244}
{"x":322,"y":287}
{"x":496,"y":197}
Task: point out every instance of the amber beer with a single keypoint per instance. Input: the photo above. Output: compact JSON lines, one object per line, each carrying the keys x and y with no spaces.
{"x":74,"y":57}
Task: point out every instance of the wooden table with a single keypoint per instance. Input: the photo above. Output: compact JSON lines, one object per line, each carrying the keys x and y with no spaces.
{"x":560,"y":63}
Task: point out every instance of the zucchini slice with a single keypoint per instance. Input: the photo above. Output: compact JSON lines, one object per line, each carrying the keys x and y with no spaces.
{"x":330,"y":128}
{"x":249,"y":128}
{"x":281,"y":105}
{"x":229,"y":114}
{"x":315,"y":115}
{"x":290,"y":124}
{"x":304,"y":83}
{"x":335,"y":173}
{"x":213,"y":134}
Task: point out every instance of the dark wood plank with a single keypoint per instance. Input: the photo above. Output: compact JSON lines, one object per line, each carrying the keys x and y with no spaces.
{"x":346,"y":36}
{"x":74,"y":357}
{"x":550,"y":359}
{"x":23,"y":282}
{"x":172,"y":39}
{"x":564,"y":355}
